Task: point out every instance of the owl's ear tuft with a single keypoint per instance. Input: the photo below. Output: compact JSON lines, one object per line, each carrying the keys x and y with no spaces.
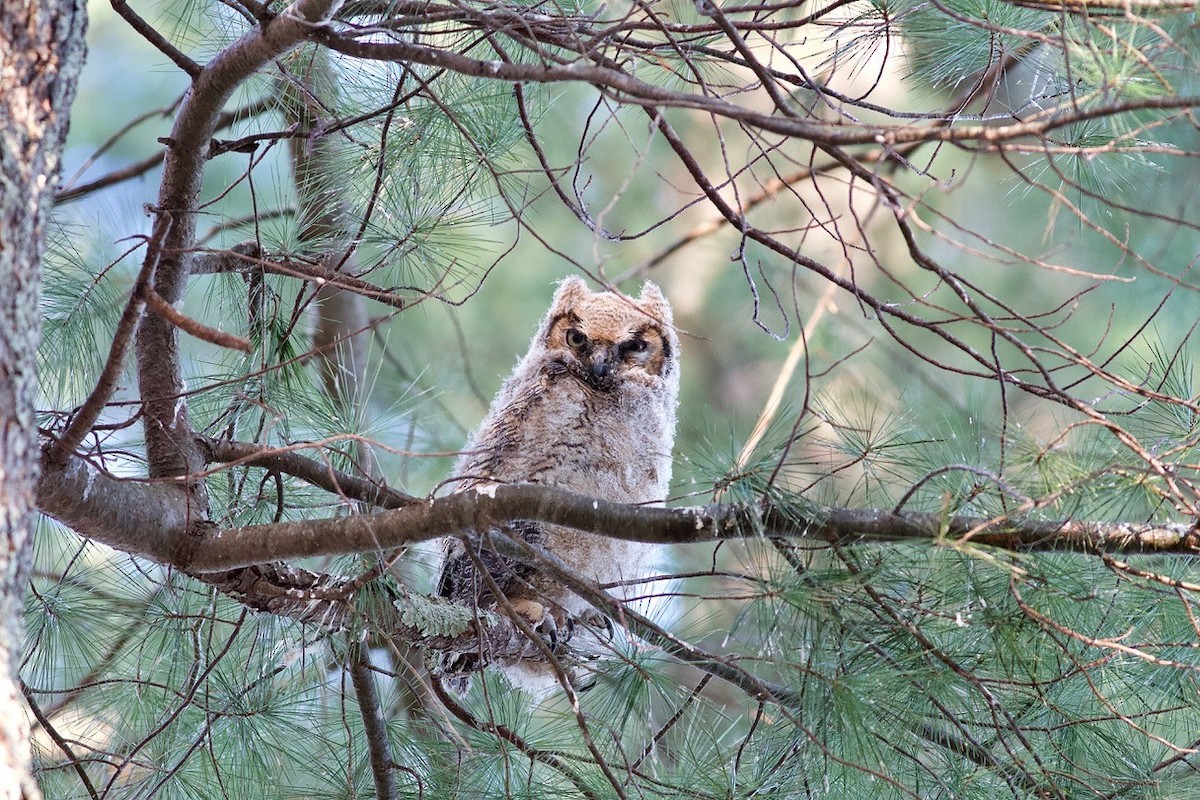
{"x":654,"y":303}
{"x":571,"y":290}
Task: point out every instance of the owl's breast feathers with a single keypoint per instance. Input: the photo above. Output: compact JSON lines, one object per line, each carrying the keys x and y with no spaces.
{"x":560,"y":430}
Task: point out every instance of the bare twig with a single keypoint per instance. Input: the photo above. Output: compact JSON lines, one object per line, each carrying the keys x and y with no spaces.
{"x":74,"y":760}
{"x":508,"y":735}
{"x":151,"y":34}
{"x":209,"y":262}
{"x":318,"y":473}
{"x":185,"y":323}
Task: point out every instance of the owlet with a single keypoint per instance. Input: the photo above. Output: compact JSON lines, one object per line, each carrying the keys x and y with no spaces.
{"x":590,"y":408}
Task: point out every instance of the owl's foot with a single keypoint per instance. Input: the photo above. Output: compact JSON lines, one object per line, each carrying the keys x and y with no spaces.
{"x":554,"y":626}
{"x":595,"y":620}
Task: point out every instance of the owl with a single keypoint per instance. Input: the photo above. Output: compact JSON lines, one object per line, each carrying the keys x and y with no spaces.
{"x":590,"y":408}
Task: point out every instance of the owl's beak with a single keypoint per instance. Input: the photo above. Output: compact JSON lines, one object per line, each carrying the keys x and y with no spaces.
{"x":601,"y":362}
{"x":603,"y":359}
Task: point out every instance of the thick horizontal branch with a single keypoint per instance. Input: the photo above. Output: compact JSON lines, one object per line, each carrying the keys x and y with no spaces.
{"x":153,"y":520}
{"x":149,"y":519}
{"x":483,"y":510}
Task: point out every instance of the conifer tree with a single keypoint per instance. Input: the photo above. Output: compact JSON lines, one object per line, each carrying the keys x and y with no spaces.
{"x":934,"y":520}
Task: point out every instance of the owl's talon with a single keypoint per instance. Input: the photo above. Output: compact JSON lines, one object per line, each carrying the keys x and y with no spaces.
{"x":594,"y":619}
{"x":545,"y":622}
{"x":560,"y":627}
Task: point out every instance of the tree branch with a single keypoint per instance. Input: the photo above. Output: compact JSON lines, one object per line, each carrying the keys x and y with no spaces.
{"x":85,"y":417}
{"x":374,"y":725}
{"x":242,"y":258}
{"x":151,"y":35}
{"x":151,"y":520}
{"x":170,"y":449}
{"x":482,"y":511}
{"x":507,"y":734}
{"x":196,"y":328}
{"x":71,"y":192}
{"x":633,"y":91}
{"x":318,"y":473}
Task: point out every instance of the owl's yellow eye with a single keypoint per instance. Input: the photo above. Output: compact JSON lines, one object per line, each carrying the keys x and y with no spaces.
{"x":575,"y":338}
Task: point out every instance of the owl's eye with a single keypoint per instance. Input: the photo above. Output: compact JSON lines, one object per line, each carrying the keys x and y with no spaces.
{"x":575,"y":338}
{"x":635,"y":346}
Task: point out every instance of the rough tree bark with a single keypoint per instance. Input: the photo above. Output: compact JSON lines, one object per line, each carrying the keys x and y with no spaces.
{"x":41,"y":53}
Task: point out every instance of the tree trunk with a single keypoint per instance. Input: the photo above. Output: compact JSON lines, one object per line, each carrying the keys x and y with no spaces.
{"x":41,"y":52}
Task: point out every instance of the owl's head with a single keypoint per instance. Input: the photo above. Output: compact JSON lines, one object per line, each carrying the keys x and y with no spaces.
{"x":605,"y":338}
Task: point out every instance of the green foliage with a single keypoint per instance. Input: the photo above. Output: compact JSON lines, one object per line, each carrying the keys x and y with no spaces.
{"x":432,"y":618}
{"x":957,"y":41}
{"x":947,"y":670}
{"x":81,"y":303}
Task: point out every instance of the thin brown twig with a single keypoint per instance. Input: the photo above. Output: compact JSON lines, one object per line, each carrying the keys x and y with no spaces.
{"x":152,"y":35}
{"x":510,"y":736}
{"x":318,"y":473}
{"x":162,"y":308}
{"x":72,"y":759}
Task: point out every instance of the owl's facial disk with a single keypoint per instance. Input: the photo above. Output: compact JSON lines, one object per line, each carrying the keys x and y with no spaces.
{"x":603,"y":361}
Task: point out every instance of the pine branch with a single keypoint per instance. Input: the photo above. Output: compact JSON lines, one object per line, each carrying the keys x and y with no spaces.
{"x":633,"y":91}
{"x":152,"y":35}
{"x":168,"y":312}
{"x":170,"y":449}
{"x":479,"y":512}
{"x":685,"y":651}
{"x":73,"y":192}
{"x":317,"y":473}
{"x":147,"y":519}
{"x":85,"y":417}
{"x":59,"y":741}
{"x":244,"y":257}
{"x":503,"y":732}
